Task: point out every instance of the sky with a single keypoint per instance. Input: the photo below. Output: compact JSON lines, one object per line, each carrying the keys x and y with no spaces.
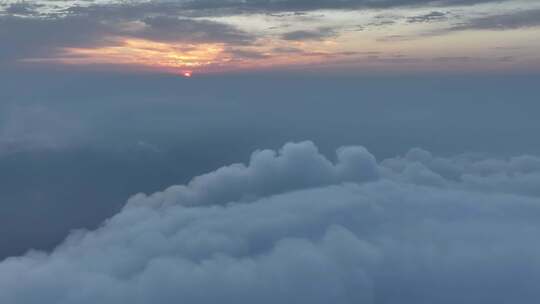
{"x":269,"y":151}
{"x":224,"y":36}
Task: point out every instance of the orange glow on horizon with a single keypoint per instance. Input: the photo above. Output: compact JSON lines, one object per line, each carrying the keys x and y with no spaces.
{"x":159,"y":55}
{"x":186,"y":58}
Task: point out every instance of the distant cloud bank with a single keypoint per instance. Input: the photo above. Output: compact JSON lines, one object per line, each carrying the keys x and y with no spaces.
{"x":293,"y":226}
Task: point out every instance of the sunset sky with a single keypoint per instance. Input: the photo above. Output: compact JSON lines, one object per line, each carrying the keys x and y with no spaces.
{"x":223,"y":36}
{"x":269,"y":151}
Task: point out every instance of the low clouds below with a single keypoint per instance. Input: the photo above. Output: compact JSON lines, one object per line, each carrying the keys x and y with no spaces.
{"x":294,"y":226}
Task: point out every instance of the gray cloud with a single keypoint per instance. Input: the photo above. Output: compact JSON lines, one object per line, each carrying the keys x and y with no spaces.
{"x":43,"y":36}
{"x":22,"y":8}
{"x":22,"y":37}
{"x":122,"y":9}
{"x":287,"y":50}
{"x":508,"y":21}
{"x":394,"y":38}
{"x":235,"y":6}
{"x":516,"y":175}
{"x":175,"y":29}
{"x":430,"y":17}
{"x":242,"y":112}
{"x":317,"y":34}
{"x":294,"y":226}
{"x":270,"y":173}
{"x":232,"y":7}
{"x":247,"y":54}
{"x":448,"y":59}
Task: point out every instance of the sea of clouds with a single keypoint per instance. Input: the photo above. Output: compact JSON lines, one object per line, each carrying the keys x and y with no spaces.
{"x":293,"y":226}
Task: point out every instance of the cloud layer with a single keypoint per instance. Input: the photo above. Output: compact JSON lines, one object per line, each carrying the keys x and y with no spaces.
{"x":293,"y":226}
{"x":36,"y":128}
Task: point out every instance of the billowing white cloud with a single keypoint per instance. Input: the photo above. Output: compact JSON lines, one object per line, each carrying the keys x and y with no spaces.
{"x":295,"y":227}
{"x":294,"y":167}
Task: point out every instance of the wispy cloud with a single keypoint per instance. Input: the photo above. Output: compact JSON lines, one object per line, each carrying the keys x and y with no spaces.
{"x":317,"y":34}
{"x":508,"y":21}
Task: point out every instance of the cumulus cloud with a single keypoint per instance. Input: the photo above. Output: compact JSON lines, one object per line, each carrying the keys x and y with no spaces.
{"x":295,"y":227}
{"x":294,"y":167}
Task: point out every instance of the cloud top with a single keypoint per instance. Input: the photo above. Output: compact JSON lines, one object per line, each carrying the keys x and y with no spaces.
{"x":293,"y":226}
{"x":293,"y":167}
